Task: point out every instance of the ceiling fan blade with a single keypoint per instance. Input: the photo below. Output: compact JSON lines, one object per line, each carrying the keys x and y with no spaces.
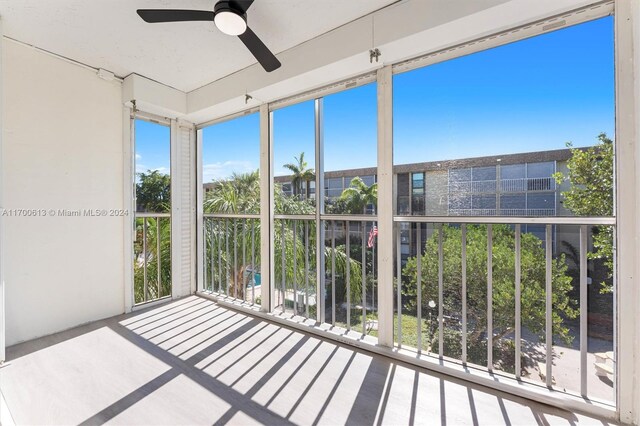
{"x":242,"y":5}
{"x":174,"y":15}
{"x":261,"y":52}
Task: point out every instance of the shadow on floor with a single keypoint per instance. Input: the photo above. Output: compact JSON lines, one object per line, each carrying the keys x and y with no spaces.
{"x":193,"y":361}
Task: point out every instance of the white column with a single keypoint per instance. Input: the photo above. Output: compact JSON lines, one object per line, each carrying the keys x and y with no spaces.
{"x":176,"y":211}
{"x":2,"y":324}
{"x":627,"y":61}
{"x":128,"y":203}
{"x":266,"y":210}
{"x":385,"y":207}
{"x":190,"y":286}
{"x":199,"y":213}
{"x":320,"y":269}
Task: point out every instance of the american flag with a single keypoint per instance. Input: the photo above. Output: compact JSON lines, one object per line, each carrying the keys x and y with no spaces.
{"x":372,"y":236}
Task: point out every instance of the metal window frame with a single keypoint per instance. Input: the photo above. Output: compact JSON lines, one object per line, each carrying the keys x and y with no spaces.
{"x":2,"y":245}
{"x":552,"y":23}
{"x":129,"y":151}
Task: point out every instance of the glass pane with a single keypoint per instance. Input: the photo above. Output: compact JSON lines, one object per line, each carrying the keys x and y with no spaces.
{"x":294,"y":155}
{"x":152,"y":242}
{"x":484,"y":173}
{"x":504,"y":127}
{"x":153,"y":167}
{"x":231,"y":166}
{"x":294,"y":267}
{"x":350,"y":149}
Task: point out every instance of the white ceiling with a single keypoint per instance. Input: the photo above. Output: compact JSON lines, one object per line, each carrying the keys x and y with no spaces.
{"x":109,"y":34}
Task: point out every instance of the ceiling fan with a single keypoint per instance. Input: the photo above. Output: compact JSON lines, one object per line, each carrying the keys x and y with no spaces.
{"x":230,"y":16}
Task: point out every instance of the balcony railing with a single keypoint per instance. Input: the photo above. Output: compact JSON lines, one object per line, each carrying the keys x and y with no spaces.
{"x":347,"y":258}
{"x":527,"y":212}
{"x":528,"y":184}
{"x":232,"y":256}
{"x":472,"y":212}
{"x":295,"y":264}
{"x":505,"y":185}
{"x":152,"y":257}
{"x":502,"y":212}
{"x":482,"y":293}
{"x":350,"y":300}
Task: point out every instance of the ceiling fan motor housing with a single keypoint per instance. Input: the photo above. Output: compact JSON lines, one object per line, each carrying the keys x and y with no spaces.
{"x":229,"y":18}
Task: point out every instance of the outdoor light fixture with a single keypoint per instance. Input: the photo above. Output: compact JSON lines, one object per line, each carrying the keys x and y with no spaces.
{"x":229,"y":20}
{"x":432,"y":304}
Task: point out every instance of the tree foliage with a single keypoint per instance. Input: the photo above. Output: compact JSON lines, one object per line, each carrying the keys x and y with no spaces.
{"x":240,"y":194}
{"x":153,"y":192}
{"x":301,"y":176}
{"x":358,"y":196}
{"x":157,"y":230}
{"x":590,"y":174}
{"x":503,"y":295}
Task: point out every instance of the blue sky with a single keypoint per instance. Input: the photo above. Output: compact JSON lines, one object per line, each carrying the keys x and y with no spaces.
{"x":533,"y":95}
{"x":153,"y":150}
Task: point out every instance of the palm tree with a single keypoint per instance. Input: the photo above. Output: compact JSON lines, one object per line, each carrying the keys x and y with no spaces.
{"x":239,"y":193}
{"x":300,"y":174}
{"x":359,"y":195}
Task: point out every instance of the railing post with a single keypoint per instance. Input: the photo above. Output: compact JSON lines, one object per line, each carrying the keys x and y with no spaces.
{"x":385,"y":207}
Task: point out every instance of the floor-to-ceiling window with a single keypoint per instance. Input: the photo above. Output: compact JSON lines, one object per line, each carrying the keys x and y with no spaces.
{"x":152,"y":241}
{"x":231,"y":206}
{"x":325,"y":198}
{"x":351,"y":196}
{"x":295,"y":244}
{"x":504,"y":212}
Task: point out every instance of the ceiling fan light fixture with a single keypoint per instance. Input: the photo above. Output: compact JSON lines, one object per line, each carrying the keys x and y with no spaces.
{"x":228,"y":20}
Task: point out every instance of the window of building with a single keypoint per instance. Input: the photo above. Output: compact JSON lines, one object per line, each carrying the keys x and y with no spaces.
{"x":513,"y":171}
{"x":541,"y":200}
{"x":484,"y":202}
{"x":480,"y":174}
{"x":513,"y":202}
{"x":540,"y":170}
{"x":417,"y":183}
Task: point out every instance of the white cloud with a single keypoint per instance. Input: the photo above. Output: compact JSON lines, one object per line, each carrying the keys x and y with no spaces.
{"x":138,"y":156}
{"x":225,"y":169}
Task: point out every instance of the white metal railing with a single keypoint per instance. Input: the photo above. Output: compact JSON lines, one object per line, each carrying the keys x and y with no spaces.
{"x":362,"y":238}
{"x":472,"y":212}
{"x":528,"y":184}
{"x":295,"y":264}
{"x":502,"y":212}
{"x":433,"y":228}
{"x":505,"y":185}
{"x":152,"y":237}
{"x":527,"y":212}
{"x":345,"y":260}
{"x":231,"y":256}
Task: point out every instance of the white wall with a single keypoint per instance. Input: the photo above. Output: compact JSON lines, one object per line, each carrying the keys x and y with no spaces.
{"x":62,"y":150}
